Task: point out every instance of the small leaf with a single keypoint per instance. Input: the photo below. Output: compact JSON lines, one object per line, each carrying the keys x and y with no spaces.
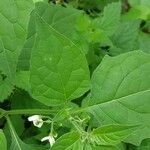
{"x":144,"y":40}
{"x":111,"y":18}
{"x":124,"y":39}
{"x":69,"y":141}
{"x":111,"y":134}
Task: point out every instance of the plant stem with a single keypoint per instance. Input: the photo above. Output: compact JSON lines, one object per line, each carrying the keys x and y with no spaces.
{"x":27,"y":112}
{"x":4,"y":113}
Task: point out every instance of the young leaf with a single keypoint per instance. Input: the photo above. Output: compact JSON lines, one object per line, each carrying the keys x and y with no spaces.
{"x":59,"y":71}
{"x":3,"y":142}
{"x":125,"y":37}
{"x":111,"y":134}
{"x":144,"y":40}
{"x":69,"y":141}
{"x":111,"y":18}
{"x":140,"y":9}
{"x":121,"y":91}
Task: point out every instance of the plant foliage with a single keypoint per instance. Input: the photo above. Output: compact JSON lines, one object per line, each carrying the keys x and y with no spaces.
{"x":74,"y":75}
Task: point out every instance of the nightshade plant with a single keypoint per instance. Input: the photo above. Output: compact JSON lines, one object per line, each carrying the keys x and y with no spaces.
{"x":74,"y":75}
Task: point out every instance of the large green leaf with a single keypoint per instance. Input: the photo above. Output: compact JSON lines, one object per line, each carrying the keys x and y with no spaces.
{"x":60,"y":18}
{"x":3,"y":142}
{"x":121,"y":92}
{"x":13,"y":28}
{"x":59,"y":71}
{"x":69,"y":141}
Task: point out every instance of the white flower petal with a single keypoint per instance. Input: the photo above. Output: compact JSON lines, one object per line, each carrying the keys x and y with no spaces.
{"x":38,"y":123}
{"x":45,"y":139}
{"x":37,"y":120}
{"x":50,"y":139}
{"x":34,"y":117}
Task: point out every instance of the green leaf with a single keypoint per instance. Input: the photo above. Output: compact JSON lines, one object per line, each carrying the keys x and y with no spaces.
{"x":36,"y":1}
{"x":59,"y":71}
{"x":138,"y":12}
{"x":145,"y":145}
{"x":17,"y":143}
{"x":13,"y":28}
{"x":22,"y":80}
{"x":142,"y":6}
{"x":121,"y":91}
{"x":6,"y":88}
{"x":144,"y":40}
{"x":125,"y":37}
{"x":18,"y":124}
{"x":22,"y":100}
{"x":25,"y":54}
{"x":120,"y":146}
{"x":111,"y":134}
{"x":139,"y":9}
{"x":69,"y":141}
{"x":111,"y":18}
{"x":3,"y":142}
{"x":134,"y":2}
{"x":60,"y":18}
{"x":142,"y":131}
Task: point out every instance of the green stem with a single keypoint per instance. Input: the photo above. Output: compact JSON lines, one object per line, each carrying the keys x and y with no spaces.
{"x":4,"y":113}
{"x":52,"y":127}
{"x":79,"y":111}
{"x":27,"y":112}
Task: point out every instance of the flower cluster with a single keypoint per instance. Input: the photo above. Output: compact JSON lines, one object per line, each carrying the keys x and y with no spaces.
{"x":38,"y":122}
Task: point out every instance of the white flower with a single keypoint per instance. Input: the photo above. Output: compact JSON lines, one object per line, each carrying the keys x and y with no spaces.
{"x":37,"y":120}
{"x":50,"y":138}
